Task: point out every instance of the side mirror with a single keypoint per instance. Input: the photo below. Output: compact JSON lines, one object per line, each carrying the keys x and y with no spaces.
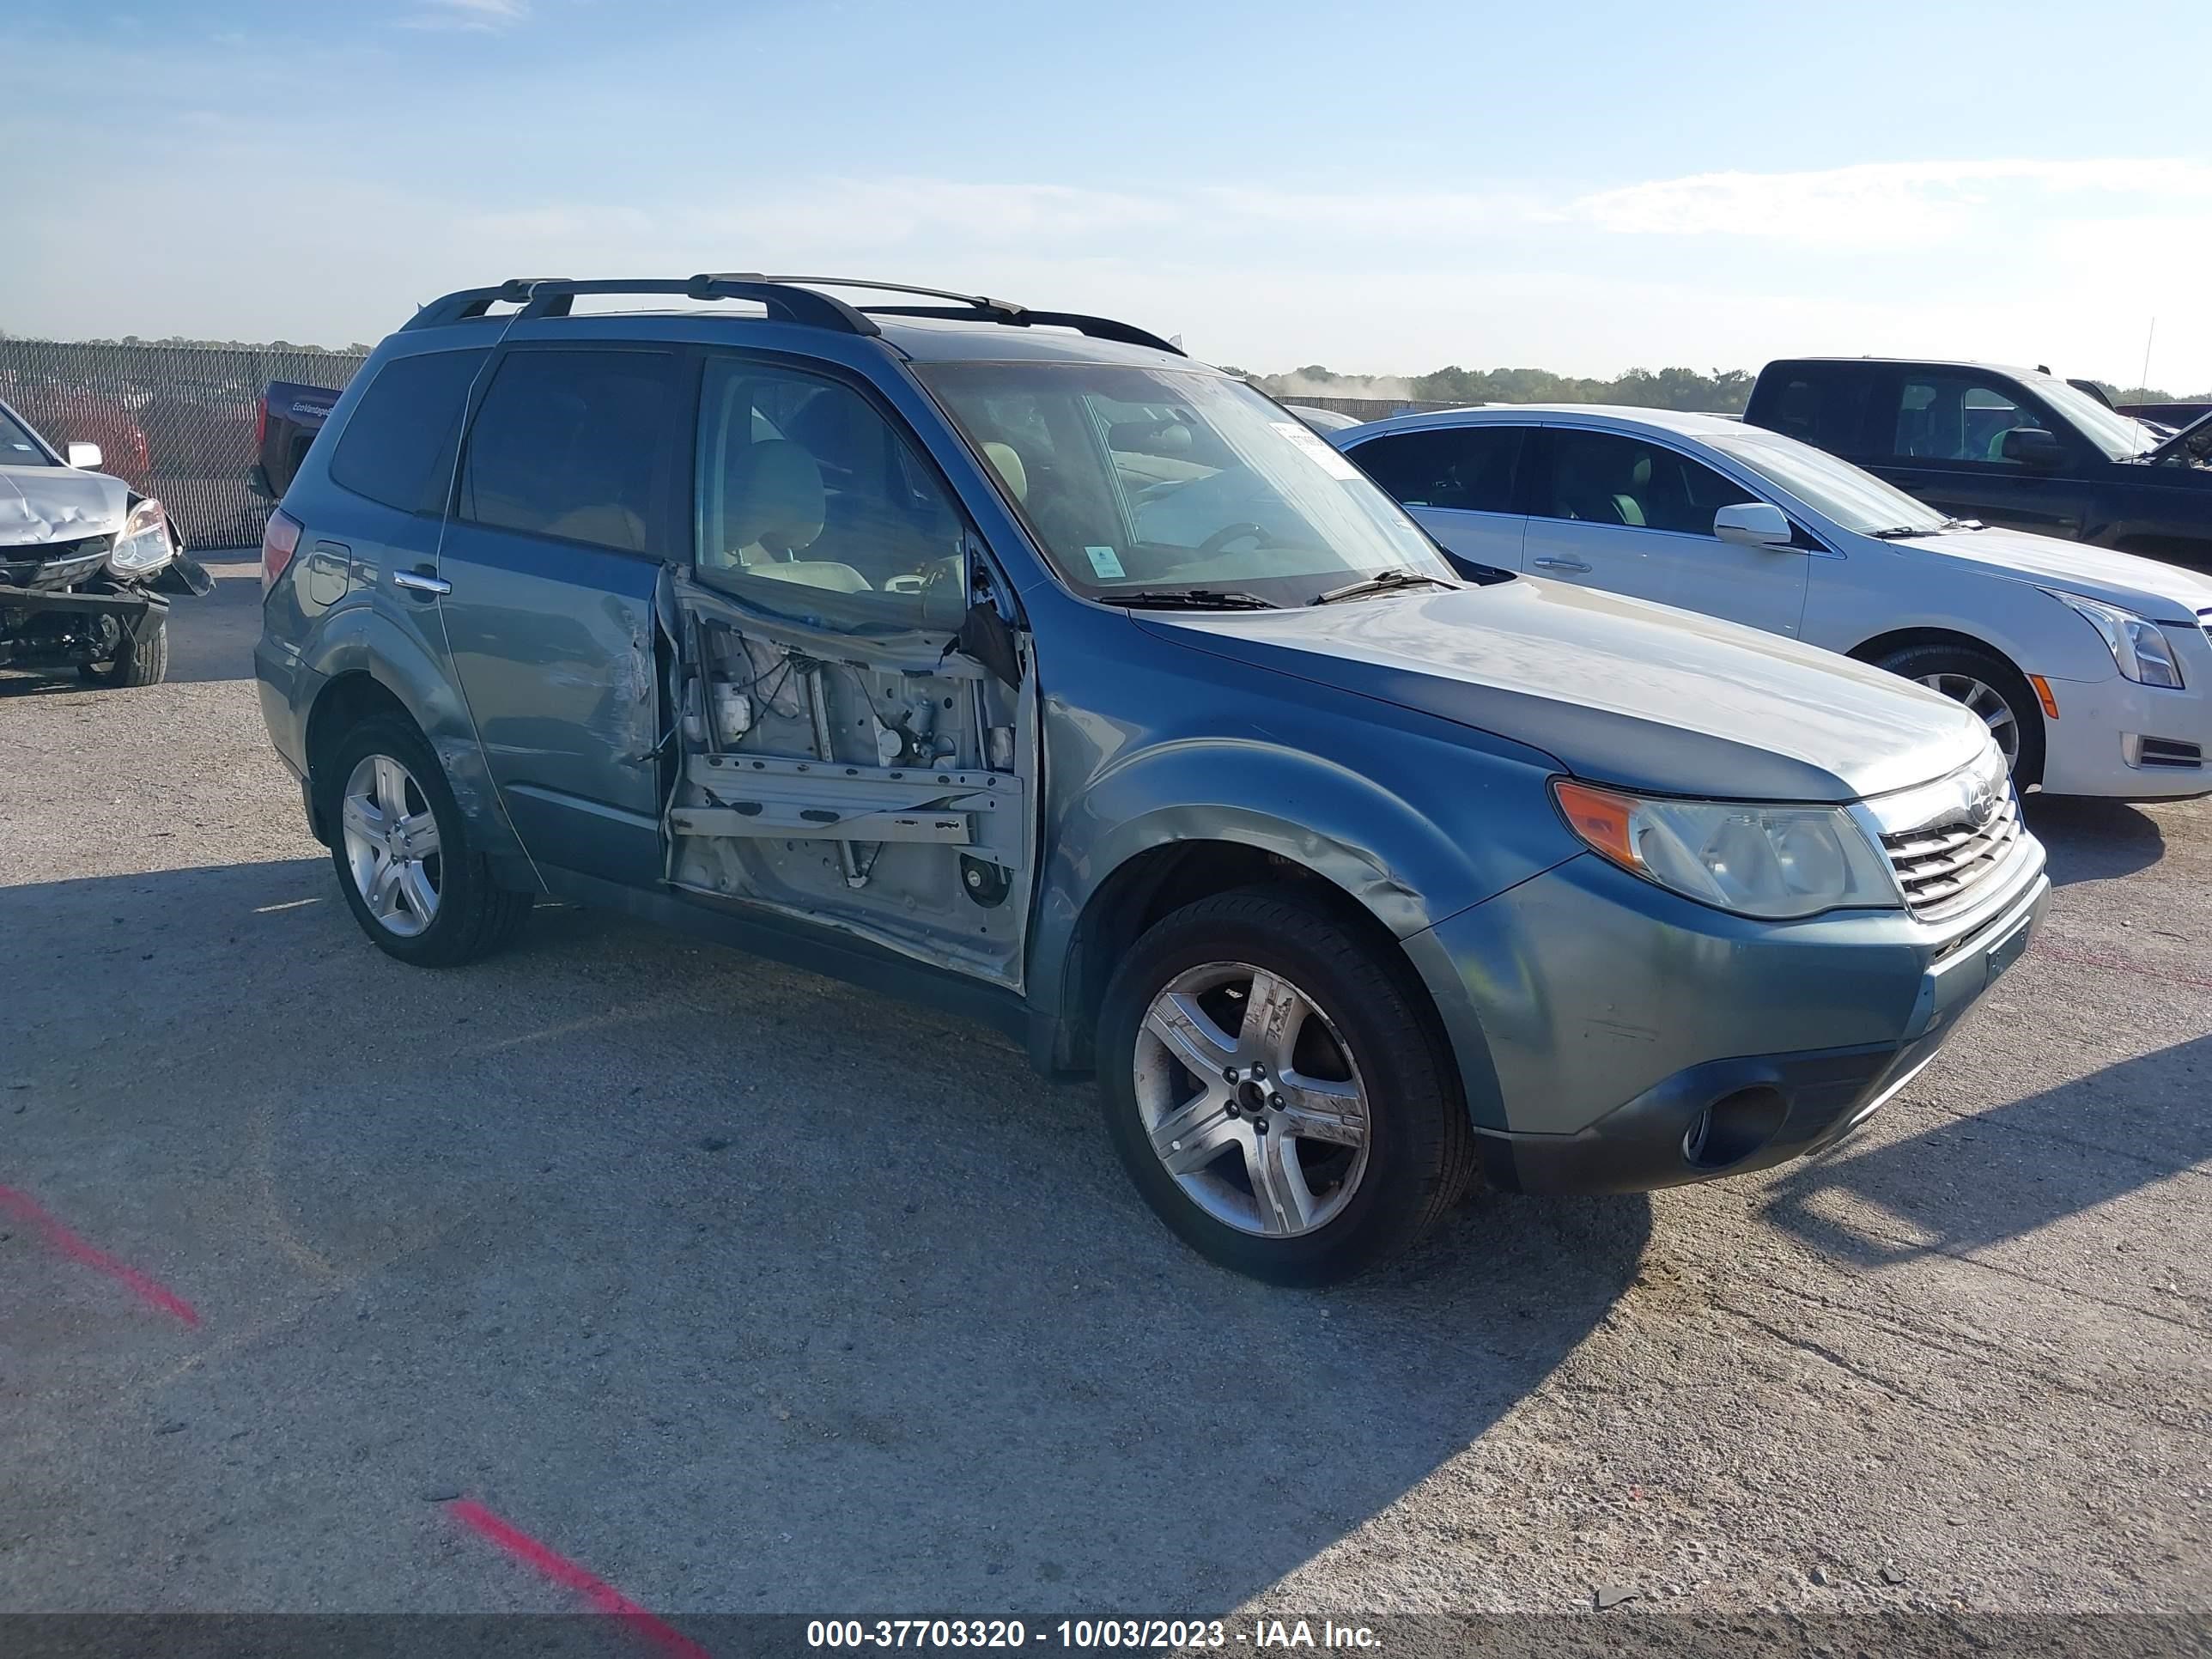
{"x":2031,"y":446}
{"x":86,"y":458}
{"x":1752,"y":524}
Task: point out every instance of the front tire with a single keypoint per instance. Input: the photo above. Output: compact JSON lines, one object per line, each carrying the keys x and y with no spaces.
{"x":413,"y":878}
{"x":1992,"y":688}
{"x":1273,"y":1093}
{"x":143,"y":661}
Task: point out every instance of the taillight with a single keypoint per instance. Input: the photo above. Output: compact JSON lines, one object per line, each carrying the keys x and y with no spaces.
{"x":278,"y":543}
{"x":261,"y":422}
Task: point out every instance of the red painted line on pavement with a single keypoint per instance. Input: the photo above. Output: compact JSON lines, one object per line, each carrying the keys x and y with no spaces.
{"x":30,"y":1212}
{"x":2117,"y":964}
{"x":603,"y":1596}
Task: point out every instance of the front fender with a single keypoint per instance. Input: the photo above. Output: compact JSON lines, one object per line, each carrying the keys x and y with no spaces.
{"x":356,"y":639}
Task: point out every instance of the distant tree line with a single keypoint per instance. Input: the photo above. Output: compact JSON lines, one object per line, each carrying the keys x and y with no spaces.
{"x":1723,"y":391}
{"x":356,"y":350}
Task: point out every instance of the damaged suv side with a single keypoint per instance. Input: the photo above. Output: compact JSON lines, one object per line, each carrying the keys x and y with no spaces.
{"x":1009,"y":660}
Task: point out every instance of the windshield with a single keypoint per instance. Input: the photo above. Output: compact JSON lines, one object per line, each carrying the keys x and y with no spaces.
{"x":1156,"y":479}
{"x":1854,"y":499}
{"x":17,"y":446}
{"x":2118,"y":436}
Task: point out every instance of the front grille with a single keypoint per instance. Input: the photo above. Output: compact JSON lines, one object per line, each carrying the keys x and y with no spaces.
{"x":1942,"y":866}
{"x":53,"y":564}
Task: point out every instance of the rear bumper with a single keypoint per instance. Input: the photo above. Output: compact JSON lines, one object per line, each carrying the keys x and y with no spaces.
{"x":1732,"y":1116}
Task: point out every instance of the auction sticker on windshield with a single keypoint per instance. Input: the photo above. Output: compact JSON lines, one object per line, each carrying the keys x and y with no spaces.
{"x":1331,"y":463}
{"x":1106,"y":563}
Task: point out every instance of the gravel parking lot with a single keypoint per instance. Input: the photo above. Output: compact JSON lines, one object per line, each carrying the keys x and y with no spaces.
{"x":754,"y":1292}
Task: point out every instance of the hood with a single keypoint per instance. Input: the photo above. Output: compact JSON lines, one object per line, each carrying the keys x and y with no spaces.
{"x":2161,"y":592}
{"x":58,"y":504}
{"x":1619,"y":690}
{"x":2193,"y":441}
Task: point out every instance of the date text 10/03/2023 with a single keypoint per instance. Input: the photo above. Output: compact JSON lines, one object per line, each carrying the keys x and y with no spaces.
{"x":1086,"y":1634}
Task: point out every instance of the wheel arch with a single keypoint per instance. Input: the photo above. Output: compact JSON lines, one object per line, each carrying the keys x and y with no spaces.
{"x":1160,"y":879}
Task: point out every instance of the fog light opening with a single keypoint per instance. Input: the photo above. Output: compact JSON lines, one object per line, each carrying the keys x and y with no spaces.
{"x":1733,"y":1128}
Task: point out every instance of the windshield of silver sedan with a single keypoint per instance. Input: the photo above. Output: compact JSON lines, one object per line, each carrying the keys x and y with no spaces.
{"x":1851,"y":497}
{"x":1162,"y":487}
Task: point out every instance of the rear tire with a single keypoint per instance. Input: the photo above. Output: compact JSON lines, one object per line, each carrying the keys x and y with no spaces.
{"x":1351,"y":1058}
{"x":1956,"y":670}
{"x":135,"y":662}
{"x":457,"y":913}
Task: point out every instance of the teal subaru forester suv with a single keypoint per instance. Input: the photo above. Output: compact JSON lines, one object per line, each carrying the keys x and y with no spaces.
{"x":1011,"y":659}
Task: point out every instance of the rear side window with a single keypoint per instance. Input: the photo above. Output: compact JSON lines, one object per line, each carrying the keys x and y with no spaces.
{"x":1469,"y":468}
{"x":398,"y":448}
{"x":1826,"y":411}
{"x":581,"y":445}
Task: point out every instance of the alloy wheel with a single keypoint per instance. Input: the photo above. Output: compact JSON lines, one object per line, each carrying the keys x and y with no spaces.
{"x":1996,"y":713}
{"x":392,"y":845}
{"x":1252,"y":1100}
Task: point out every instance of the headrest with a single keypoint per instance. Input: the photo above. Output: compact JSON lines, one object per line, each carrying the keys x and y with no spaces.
{"x":773,"y":497}
{"x":1008,"y":461}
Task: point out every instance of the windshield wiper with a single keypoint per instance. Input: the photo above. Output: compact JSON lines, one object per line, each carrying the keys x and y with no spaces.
{"x":1382,"y":581}
{"x":1188,"y":598}
{"x":1906,"y":531}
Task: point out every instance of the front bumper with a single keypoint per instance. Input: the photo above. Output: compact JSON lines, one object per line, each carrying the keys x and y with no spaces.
{"x":2116,"y":738}
{"x":1637,"y":1040}
{"x":135,"y":610}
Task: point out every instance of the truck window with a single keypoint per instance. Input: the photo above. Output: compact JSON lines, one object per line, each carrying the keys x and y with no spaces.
{"x":1959,"y":417}
{"x":1827,"y":411}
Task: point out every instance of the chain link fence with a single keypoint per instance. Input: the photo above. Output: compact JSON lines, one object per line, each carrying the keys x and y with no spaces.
{"x":178,"y":423}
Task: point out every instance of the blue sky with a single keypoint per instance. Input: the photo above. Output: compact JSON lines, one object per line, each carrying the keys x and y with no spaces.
{"x":1581,"y":187}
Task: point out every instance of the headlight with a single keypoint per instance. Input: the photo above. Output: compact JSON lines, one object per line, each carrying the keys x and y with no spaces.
{"x":1769,"y":861}
{"x":145,"y":546}
{"x":2137,"y":646}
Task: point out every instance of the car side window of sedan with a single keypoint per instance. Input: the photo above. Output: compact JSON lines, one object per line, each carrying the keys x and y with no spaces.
{"x":1466,"y":469}
{"x":1602,"y":477}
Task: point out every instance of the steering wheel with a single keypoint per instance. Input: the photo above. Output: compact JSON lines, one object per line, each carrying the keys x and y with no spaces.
{"x":1234,"y":532}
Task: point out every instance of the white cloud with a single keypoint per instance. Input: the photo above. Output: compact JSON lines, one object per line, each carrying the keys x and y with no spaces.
{"x":479,"y":15}
{"x":1857,"y":205}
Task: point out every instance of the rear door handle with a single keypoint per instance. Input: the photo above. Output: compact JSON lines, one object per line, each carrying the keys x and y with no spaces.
{"x":1559,"y":564}
{"x":421,"y":580}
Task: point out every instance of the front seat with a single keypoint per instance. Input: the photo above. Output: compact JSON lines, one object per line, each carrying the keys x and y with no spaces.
{"x":773,"y":505}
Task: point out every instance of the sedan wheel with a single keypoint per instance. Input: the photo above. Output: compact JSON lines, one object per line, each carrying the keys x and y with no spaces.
{"x":1252,"y":1100}
{"x":392,"y":846}
{"x":1985,"y":700}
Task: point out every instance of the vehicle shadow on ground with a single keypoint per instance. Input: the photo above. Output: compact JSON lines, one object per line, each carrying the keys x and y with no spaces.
{"x":2092,"y":840}
{"x":1999,"y":1175}
{"x":754,"y":1291}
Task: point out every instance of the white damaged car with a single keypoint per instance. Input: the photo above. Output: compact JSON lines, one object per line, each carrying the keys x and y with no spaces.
{"x":86,"y":564}
{"x":2093,"y":669}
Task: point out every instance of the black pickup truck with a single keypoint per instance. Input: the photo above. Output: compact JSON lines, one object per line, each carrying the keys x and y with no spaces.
{"x":291,"y":414}
{"x":2011,"y":446}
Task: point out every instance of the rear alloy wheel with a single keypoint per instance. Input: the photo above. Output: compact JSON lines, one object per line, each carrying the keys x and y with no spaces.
{"x":1992,"y":688}
{"x":402,"y":851}
{"x":391,"y":847}
{"x":1272,"y":1092}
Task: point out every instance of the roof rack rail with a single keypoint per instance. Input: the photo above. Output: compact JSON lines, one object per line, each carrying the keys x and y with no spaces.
{"x":552,"y":296}
{"x":787,"y":299}
{"x":997,"y":310}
